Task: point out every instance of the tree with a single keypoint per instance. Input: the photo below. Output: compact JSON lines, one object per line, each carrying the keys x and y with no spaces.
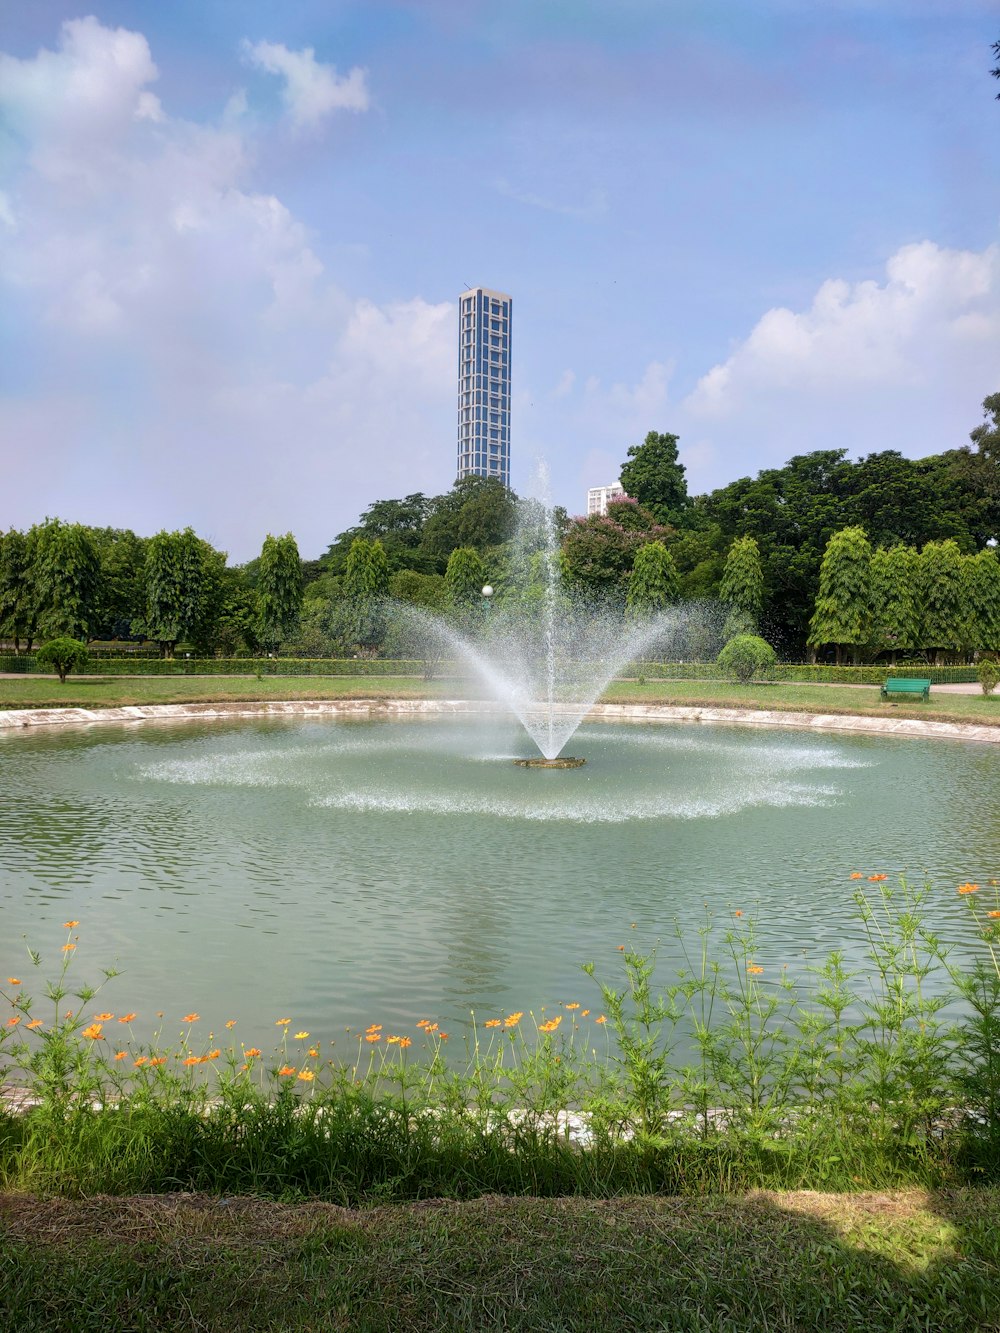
{"x":981,"y":596}
{"x":279,"y":589}
{"x":599,"y":550}
{"x":477,"y":511}
{"x":742,"y":587}
{"x":843,"y":606}
{"x":895,"y":617}
{"x":18,"y":607}
{"x":121,"y":593}
{"x":942,"y":598}
{"x":175,"y":581}
{"x":64,"y":654}
{"x":65,"y":575}
{"x":653,"y":476}
{"x":996,"y":71}
{"x":653,"y":583}
{"x":464,"y":578}
{"x":746,"y":656}
{"x":366,"y":588}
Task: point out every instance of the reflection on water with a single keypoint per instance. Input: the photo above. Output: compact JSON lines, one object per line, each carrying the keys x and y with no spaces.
{"x":346,"y":872}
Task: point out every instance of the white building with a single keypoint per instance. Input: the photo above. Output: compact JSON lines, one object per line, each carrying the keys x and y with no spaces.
{"x":598,"y":497}
{"x":484,"y":319}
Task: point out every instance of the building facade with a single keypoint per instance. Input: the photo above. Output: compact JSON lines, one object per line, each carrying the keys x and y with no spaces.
{"x":484,"y":329}
{"x":598,"y":497}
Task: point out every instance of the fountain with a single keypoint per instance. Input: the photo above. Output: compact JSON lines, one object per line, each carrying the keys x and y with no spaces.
{"x":543,"y":650}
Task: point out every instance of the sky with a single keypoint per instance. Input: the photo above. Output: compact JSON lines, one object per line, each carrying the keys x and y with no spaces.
{"x":233,"y":235}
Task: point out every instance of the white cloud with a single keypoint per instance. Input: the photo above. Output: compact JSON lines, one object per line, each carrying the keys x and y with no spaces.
{"x":312,"y":90}
{"x":935,"y":306}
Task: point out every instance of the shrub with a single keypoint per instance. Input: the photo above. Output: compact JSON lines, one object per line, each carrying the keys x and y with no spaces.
{"x":64,"y":655}
{"x":989,"y":675}
{"x":746,"y":656}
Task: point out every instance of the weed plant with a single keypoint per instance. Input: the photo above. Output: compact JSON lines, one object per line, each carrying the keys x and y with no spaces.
{"x":726,"y":1079}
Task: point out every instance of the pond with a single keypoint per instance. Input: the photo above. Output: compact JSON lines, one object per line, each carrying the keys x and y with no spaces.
{"x":344,"y":872}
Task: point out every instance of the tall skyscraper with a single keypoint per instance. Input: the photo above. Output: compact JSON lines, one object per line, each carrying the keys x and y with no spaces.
{"x":484,"y":319}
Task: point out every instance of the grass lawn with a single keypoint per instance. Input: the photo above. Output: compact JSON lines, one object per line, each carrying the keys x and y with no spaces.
{"x":109,"y":691}
{"x":901,"y":1261}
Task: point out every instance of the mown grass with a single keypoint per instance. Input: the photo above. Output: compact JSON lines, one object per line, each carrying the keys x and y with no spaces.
{"x":110,"y":692}
{"x":770,"y":1261}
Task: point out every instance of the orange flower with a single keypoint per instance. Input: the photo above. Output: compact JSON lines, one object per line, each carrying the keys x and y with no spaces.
{"x":431,"y":1027}
{"x":374,"y":1027}
{"x":126,"y":1018}
{"x":13,"y":1022}
{"x":551,"y":1025}
{"x":968,"y":888}
{"x":158,"y":1060}
{"x":737,"y":913}
{"x":572,"y":1006}
{"x":877,"y":879}
{"x":492,"y":1023}
{"x":601,"y":1019}
{"x":252,"y":1052}
{"x":13,"y":981}
{"x":68,"y":948}
{"x":282,"y":1022}
{"x":190,"y":1018}
{"x":213,"y":1055}
{"x":621,"y":948}
{"x":856,"y":874}
{"x":313,"y":1051}
{"x":512,"y":1020}
{"x":404,"y":1042}
{"x":306,"y":1075}
{"x":230,"y":1022}
{"x":140,"y":1061}
{"x":35,"y":1023}
{"x":93,"y":1032}
{"x":244,"y":1068}
{"x":373,"y":1036}
{"x":103,"y":1018}
{"x":286,"y":1071}
{"x":584,"y":1013}
{"x":423,"y":1022}
{"x":121,"y":1055}
{"x":70,"y":924}
{"x":443,"y":1036}
{"x":192,"y":1060}
{"x":754,"y":970}
{"x":994,"y":914}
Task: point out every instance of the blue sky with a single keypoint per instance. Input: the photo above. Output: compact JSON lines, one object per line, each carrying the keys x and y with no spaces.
{"x":232,"y":237}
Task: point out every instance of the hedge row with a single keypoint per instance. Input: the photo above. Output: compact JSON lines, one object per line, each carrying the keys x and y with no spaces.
{"x":806,"y":674}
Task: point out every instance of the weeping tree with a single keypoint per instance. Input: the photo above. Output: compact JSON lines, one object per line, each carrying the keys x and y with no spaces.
{"x":65,"y":572}
{"x":895,"y":613}
{"x":942,"y":599}
{"x":366,"y":590}
{"x":742,"y":587}
{"x":654,"y":583}
{"x":981,"y":595}
{"x":843,"y":607}
{"x":279,"y":590}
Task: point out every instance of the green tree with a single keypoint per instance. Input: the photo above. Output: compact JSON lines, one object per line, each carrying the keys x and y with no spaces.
{"x":981,"y":596}
{"x":742,"y":587}
{"x":65,"y":574}
{"x":279,"y":589}
{"x":895,"y":615}
{"x":843,"y":606}
{"x":464,"y":578}
{"x":653,"y":476}
{"x":366,"y":589}
{"x":653,"y":583}
{"x":176,"y":584}
{"x":942,"y":598}
{"x":746,"y":656}
{"x":121,"y":592}
{"x":18,"y":605}
{"x":64,"y":654}
{"x":477,"y":511}
{"x":600,"y":550}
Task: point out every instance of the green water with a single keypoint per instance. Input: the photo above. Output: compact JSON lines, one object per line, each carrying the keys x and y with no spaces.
{"x":343,"y":872}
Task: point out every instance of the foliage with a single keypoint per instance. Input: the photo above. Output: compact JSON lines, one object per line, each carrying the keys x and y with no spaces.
{"x":65,"y":574}
{"x":464,"y":578}
{"x":742,"y":586}
{"x":366,"y":589}
{"x":942,"y":597}
{"x":653,"y":476}
{"x":988,"y":674}
{"x":121,"y":591}
{"x":895,"y":618}
{"x":175,"y":583}
{"x":746,"y":656}
{"x":598,"y":551}
{"x":64,"y":655}
{"x":18,"y":595}
{"x":843,"y":606}
{"x":279,"y":589}
{"x":653,"y":583}
{"x":477,"y":511}
{"x":981,"y":601}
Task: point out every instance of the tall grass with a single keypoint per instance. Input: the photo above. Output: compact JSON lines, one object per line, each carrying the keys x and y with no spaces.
{"x":725,"y":1078}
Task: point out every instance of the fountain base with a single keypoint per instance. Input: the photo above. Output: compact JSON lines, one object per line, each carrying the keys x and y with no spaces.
{"x":566,"y":761}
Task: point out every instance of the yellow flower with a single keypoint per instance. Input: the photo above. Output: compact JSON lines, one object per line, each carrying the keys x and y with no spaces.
{"x":301,"y":1036}
{"x":230,"y":1022}
{"x":282,"y":1022}
{"x":306,"y":1075}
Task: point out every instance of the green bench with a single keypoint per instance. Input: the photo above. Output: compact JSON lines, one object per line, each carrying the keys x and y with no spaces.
{"x":900,"y":685}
